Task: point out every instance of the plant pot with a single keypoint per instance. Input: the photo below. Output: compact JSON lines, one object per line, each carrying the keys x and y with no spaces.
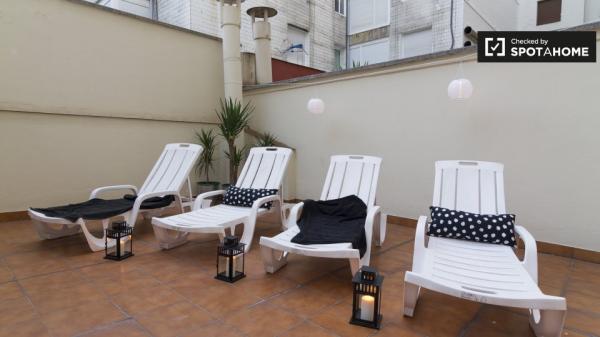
{"x":207,"y":186}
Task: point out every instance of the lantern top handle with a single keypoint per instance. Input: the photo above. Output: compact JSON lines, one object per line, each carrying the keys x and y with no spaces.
{"x":231,"y":241}
{"x":368,"y":274}
{"x":119,"y":225}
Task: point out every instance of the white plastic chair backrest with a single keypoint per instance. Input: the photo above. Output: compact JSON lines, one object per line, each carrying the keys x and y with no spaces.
{"x":470,"y":186}
{"x":172,"y":168}
{"x":353,"y":174}
{"x":264,"y":168}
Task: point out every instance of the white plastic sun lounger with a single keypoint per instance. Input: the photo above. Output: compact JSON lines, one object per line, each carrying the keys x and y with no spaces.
{"x":481,"y":272}
{"x":347,"y":175}
{"x":264,"y":168}
{"x":167,"y":177}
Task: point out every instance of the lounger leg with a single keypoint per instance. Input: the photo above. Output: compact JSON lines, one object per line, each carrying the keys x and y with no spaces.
{"x":273,"y":259}
{"x":411,"y":296}
{"x":47,"y":231}
{"x":380,"y":228}
{"x":547,"y":323}
{"x":248,"y":232}
{"x":96,"y":244}
{"x":168,"y":238}
{"x":281,"y":211}
{"x":148,"y":215}
{"x":354,"y":266}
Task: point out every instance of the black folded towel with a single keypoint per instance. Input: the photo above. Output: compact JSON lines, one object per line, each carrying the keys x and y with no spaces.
{"x":333,"y":221}
{"x":98,"y":209}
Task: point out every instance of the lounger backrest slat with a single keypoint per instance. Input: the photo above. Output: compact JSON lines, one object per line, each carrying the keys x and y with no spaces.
{"x":264,"y":168}
{"x":182,"y":172}
{"x":470,"y":186}
{"x":279,"y":166}
{"x":154,"y":175}
{"x":352,"y":175}
{"x":170,"y":172}
{"x":172,"y":168}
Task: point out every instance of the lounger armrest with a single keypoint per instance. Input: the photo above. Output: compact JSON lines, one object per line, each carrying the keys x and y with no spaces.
{"x":292,"y":219}
{"x":419,"y":253}
{"x":99,"y":190}
{"x":145,"y":196}
{"x":530,"y":258}
{"x":371,"y":215}
{"x":260,"y":201}
{"x":200,"y":198}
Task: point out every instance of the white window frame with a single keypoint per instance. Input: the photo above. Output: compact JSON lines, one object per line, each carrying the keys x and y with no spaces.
{"x":374,"y":26}
{"x":401,"y":41}
{"x":343,"y":56}
{"x":366,"y":44}
{"x":305,"y":45}
{"x":337,"y":9}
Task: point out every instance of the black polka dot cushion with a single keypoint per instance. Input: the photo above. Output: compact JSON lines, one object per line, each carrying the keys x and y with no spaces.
{"x":244,"y":197}
{"x":447,"y":223}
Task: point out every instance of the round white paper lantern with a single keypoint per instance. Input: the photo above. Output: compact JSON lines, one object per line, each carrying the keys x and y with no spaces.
{"x":460,"y":89}
{"x":316,"y":106}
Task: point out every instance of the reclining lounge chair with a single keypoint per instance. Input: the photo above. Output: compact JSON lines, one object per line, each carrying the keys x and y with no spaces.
{"x":347,"y":175}
{"x":264,"y":168}
{"x":477,"y":271}
{"x":167,"y":178}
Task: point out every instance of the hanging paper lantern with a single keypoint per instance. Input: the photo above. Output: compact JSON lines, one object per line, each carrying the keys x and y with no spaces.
{"x":316,"y":106}
{"x":460,"y":89}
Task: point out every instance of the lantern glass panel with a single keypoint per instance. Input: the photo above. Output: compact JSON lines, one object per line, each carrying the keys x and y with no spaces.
{"x":366,"y":304}
{"x":119,"y":241}
{"x":222,"y":264}
{"x":230,"y":260}
{"x":238,"y":264}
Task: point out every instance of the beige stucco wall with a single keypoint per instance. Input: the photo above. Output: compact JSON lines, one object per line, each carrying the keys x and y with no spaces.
{"x":540,"y":120}
{"x":69,"y":57}
{"x":63,"y":62}
{"x":56,"y":159}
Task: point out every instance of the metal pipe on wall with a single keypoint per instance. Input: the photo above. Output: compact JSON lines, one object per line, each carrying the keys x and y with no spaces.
{"x":262,"y":38}
{"x":232,"y":61}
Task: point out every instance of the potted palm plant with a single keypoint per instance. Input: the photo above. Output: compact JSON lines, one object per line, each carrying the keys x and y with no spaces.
{"x":233,"y":119}
{"x":208,"y":140}
{"x":266,"y":139}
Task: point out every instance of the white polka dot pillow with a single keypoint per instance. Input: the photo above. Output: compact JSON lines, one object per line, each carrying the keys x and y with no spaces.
{"x":498,"y":229}
{"x":244,"y":197}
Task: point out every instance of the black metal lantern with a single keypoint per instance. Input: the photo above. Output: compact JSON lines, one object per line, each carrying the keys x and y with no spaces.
{"x":366,"y":304}
{"x":122,"y":234}
{"x":230,"y":260}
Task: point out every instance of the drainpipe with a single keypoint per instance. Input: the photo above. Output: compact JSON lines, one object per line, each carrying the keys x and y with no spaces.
{"x":262,"y":38}
{"x":232,"y":61}
{"x":348,"y":34}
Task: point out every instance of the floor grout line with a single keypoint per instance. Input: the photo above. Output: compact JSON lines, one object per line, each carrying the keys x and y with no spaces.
{"x":334,"y":272}
{"x":465,"y":329}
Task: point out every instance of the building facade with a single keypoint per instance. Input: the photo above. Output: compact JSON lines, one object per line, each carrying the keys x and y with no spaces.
{"x":307,"y":32}
{"x":319,"y":33}
{"x":382,"y":30}
{"x":302,"y":32}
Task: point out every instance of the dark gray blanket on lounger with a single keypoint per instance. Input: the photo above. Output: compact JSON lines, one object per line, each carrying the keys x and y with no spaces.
{"x":333,"y":221}
{"x":98,"y":209}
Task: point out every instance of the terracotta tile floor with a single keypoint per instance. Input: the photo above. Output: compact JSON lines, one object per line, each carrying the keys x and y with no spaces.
{"x":60,"y":288}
